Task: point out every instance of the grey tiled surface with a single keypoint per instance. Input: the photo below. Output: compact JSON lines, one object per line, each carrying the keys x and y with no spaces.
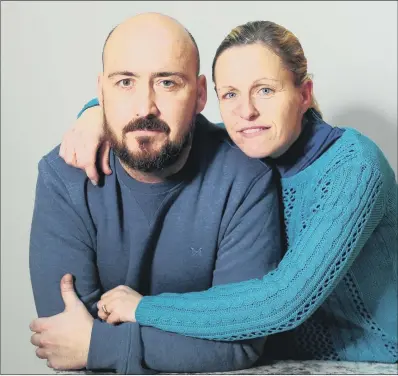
{"x":307,"y":368}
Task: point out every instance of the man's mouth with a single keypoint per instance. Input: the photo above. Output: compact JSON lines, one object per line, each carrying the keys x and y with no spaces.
{"x":147,"y":131}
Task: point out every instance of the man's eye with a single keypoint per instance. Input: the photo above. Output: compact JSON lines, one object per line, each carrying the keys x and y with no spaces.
{"x":167,"y":83}
{"x":125,"y":83}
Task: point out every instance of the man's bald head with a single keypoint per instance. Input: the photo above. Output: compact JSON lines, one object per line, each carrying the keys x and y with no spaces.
{"x":144,"y":20}
{"x":150,"y":91}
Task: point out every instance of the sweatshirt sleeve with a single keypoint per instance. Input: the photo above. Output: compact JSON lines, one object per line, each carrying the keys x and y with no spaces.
{"x":314,"y":264}
{"x":250,"y":247}
{"x":60,"y":243}
{"x":92,"y":103}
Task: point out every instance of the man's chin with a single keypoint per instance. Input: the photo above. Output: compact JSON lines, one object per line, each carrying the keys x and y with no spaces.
{"x":138,"y":159}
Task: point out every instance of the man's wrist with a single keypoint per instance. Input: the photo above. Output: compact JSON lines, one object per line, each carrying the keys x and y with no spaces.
{"x":88,"y":341}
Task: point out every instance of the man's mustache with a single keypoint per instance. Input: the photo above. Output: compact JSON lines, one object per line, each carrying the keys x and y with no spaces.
{"x":147,"y":124}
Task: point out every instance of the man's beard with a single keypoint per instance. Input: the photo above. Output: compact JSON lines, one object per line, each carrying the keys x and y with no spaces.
{"x":147,"y":160}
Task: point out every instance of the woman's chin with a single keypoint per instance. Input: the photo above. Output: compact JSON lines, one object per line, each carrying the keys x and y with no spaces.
{"x":256,"y":147}
{"x":255,"y":152}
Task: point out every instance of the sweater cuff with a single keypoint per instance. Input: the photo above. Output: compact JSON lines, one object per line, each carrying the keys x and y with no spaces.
{"x":144,"y":312}
{"x":116,"y":348}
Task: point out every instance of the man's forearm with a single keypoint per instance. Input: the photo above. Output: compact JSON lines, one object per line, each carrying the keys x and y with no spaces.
{"x":129,"y":348}
{"x":59,"y":244}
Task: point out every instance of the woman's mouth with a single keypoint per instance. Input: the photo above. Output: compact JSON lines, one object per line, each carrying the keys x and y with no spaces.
{"x":254,"y":131}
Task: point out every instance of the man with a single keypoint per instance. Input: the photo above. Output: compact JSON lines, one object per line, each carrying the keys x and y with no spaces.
{"x":183,"y":210}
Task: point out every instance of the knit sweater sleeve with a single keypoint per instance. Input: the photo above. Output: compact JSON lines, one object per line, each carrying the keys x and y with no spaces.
{"x":335,"y":232}
{"x":91,"y":103}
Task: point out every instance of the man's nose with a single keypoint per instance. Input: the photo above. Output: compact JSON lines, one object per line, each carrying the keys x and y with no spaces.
{"x":145,"y":103}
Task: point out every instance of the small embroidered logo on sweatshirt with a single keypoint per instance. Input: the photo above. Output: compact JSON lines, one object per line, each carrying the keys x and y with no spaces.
{"x":196,"y":251}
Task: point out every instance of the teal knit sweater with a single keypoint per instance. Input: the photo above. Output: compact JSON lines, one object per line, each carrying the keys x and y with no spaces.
{"x":335,"y":291}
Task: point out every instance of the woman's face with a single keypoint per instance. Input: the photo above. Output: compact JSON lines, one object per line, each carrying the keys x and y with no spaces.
{"x":260,"y":106}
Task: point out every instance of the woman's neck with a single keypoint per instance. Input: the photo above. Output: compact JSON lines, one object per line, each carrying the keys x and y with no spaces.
{"x":315,"y":138}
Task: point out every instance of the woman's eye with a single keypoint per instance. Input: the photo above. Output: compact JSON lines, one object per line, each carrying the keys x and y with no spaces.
{"x":266,"y":91}
{"x":229,"y":95}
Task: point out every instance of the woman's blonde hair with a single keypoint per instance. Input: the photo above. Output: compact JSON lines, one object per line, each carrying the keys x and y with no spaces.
{"x":279,"y":40}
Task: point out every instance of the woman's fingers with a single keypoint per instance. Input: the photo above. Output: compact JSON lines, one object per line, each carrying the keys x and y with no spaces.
{"x":113,"y":318}
{"x":104,"y":157}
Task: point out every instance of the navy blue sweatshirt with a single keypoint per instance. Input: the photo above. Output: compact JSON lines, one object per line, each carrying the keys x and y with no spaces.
{"x":216,"y":221}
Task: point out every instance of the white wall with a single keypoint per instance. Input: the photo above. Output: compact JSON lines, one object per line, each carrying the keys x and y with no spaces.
{"x":51,"y":54}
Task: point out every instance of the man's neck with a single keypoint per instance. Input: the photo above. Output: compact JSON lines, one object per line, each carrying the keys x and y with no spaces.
{"x":158,"y":176}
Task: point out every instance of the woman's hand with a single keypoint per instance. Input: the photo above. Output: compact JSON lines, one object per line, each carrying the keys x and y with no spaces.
{"x":119,"y":305}
{"x":81,"y":142}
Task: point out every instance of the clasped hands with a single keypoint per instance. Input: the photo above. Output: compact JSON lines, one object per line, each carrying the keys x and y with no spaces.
{"x":64,"y":339}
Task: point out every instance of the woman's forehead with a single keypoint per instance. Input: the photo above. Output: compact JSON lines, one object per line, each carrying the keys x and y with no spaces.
{"x":249,"y":64}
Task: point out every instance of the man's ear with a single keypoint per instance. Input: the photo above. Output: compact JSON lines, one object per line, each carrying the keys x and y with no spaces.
{"x":201,"y":99}
{"x":100,"y":81}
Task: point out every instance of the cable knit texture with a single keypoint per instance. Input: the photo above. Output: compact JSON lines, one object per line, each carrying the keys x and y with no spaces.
{"x":338,"y":277}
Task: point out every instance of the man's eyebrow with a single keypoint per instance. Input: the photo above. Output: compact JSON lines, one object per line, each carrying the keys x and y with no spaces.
{"x":123,"y":73}
{"x":169,"y":74}
{"x":153,"y":75}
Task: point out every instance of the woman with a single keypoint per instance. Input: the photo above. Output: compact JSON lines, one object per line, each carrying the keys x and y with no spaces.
{"x":334,"y":294}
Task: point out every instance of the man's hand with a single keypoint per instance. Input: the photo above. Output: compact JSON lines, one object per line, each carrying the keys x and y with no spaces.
{"x":64,"y":339}
{"x":119,"y":305}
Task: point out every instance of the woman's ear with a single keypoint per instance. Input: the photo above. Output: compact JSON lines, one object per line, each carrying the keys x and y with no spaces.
{"x":306,"y":95}
{"x":201,"y":99}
